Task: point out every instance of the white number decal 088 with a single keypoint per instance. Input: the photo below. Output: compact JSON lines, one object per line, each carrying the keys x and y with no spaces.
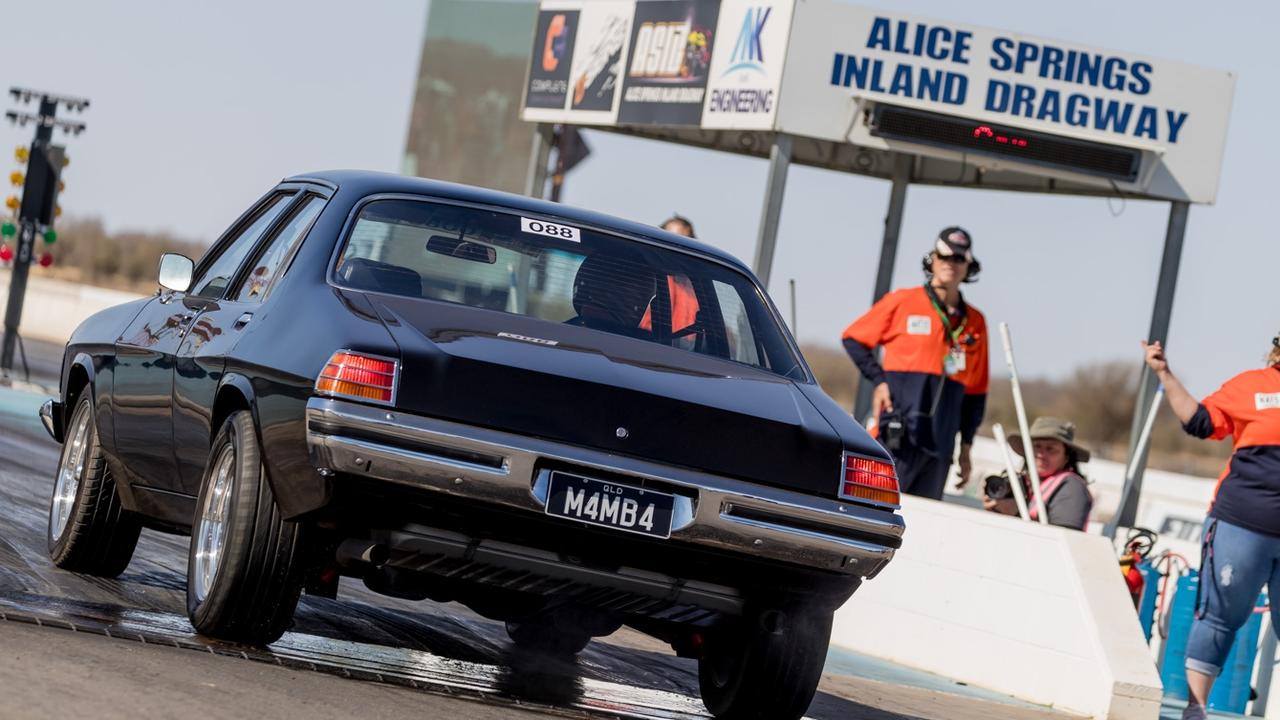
{"x":542,"y":227}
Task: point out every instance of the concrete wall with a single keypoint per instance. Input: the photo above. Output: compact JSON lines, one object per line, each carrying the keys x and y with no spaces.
{"x":1039,"y":613}
{"x":53,"y":308}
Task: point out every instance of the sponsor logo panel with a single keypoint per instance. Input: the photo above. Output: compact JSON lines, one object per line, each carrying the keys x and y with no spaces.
{"x":552,"y":55}
{"x":599,"y":56}
{"x":746,"y":69}
{"x":669,"y":62}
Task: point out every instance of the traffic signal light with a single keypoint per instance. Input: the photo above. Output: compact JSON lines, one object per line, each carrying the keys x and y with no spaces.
{"x":16,"y":178}
{"x":21,"y":153}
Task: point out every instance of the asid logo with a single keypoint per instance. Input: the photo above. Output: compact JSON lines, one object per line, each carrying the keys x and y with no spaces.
{"x":748,"y":52}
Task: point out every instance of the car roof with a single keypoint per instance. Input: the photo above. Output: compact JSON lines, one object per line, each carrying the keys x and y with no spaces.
{"x":364,"y":182}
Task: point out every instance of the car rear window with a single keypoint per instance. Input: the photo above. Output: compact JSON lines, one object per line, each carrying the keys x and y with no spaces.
{"x":562,"y":273}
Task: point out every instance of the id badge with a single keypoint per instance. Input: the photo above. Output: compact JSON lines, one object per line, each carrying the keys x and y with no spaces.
{"x":954,"y":361}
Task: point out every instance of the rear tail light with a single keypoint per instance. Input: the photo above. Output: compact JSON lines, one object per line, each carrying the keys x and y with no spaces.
{"x":362,"y":377}
{"x":869,"y":480}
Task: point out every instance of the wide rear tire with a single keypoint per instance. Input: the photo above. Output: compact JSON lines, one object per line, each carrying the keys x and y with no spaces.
{"x":89,"y":530}
{"x":244,"y":569}
{"x":767,"y":668}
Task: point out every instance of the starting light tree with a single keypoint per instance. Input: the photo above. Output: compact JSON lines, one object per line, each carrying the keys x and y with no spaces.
{"x":38,"y":205}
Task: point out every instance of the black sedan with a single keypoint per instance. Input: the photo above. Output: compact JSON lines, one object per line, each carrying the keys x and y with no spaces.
{"x":563,"y":420}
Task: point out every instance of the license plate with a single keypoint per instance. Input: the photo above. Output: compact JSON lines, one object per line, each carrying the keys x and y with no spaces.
{"x":612,"y":505}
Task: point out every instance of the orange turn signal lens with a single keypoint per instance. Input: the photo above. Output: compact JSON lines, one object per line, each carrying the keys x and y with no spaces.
{"x":362,"y":377}
{"x":873,"y":480}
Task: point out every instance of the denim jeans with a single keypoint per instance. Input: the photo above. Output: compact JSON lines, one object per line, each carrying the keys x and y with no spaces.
{"x":1235,"y":565}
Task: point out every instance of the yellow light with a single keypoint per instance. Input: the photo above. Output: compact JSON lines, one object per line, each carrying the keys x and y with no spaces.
{"x":21,"y":153}
{"x":16,"y":178}
{"x":11,"y":202}
{"x":61,"y":186}
{"x":57,"y":211}
{"x":66,"y":160}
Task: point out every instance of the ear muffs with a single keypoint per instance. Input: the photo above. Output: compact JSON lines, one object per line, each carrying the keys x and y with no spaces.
{"x":971,"y":276}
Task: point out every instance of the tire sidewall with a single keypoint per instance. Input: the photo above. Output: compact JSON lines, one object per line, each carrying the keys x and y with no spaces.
{"x":751,"y":652}
{"x":237,"y":431}
{"x":60,"y":547}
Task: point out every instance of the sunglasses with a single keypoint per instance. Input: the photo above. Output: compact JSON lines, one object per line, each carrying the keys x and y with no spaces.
{"x":958,"y":259}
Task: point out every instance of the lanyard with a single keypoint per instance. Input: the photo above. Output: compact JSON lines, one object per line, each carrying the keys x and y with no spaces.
{"x":953,"y":333}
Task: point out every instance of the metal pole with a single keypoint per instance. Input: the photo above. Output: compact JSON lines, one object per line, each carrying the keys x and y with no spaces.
{"x":1015,"y":484}
{"x":26,"y":240}
{"x":888,"y":257}
{"x":779,"y":162}
{"x":1266,"y":667}
{"x":1028,"y":451}
{"x":535,"y":183}
{"x":795,"y":329}
{"x":1173,"y":238}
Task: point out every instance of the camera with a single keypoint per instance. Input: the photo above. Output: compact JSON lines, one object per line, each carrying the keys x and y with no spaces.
{"x":892,"y":431}
{"x":997,"y":487}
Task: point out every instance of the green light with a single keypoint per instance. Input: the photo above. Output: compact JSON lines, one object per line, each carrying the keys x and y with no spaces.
{"x":8,"y":229}
{"x":50,"y":236}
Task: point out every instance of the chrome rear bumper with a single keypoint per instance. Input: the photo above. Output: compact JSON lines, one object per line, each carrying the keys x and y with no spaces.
{"x":504,"y":468}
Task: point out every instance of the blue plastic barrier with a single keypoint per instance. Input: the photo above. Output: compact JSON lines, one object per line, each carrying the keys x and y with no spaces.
{"x":1150,"y":592}
{"x":1231,"y":690}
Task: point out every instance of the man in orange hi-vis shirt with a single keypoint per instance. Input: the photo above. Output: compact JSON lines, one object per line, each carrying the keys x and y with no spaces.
{"x":932,"y":382}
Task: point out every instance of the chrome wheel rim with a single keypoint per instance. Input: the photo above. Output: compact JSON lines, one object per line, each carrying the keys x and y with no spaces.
{"x":70,"y":470}
{"x":211,"y":530}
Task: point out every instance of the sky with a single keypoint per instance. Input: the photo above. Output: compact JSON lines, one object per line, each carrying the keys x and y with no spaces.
{"x":199,"y":107}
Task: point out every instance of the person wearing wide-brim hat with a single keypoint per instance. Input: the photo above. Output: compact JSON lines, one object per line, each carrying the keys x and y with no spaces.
{"x":1057,"y":456}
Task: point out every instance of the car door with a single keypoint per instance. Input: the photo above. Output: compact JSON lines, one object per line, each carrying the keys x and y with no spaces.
{"x":142,"y":392}
{"x":201,"y":358}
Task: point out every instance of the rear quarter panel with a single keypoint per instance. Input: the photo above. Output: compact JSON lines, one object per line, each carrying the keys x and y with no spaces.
{"x":286,"y":346}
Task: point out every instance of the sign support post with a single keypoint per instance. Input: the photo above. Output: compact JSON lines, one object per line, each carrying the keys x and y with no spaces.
{"x":535,"y":184}
{"x":1174,"y":235}
{"x":888,"y":258}
{"x":775,"y":187}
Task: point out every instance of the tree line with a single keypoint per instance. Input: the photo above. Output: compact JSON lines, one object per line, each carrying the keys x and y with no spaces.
{"x":125,"y":260}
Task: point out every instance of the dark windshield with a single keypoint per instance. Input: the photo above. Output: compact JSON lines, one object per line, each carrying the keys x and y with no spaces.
{"x":565,"y":274}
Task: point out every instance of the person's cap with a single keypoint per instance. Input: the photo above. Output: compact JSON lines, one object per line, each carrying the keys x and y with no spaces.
{"x":954,"y":241}
{"x":1052,"y":428}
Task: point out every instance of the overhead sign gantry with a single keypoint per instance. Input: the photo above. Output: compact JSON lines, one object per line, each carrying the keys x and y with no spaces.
{"x":885,"y":94}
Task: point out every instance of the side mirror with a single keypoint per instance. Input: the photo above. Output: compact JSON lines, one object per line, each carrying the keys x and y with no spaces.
{"x":175,"y":272}
{"x":462,"y":249}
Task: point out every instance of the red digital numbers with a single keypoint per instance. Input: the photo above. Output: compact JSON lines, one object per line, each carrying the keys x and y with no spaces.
{"x":985,"y":133}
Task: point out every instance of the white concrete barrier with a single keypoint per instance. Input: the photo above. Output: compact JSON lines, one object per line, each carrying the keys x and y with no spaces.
{"x":1038,"y":613}
{"x":52,"y":308}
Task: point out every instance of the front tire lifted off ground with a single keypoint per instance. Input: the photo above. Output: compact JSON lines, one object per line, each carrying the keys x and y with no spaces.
{"x":766,"y":668}
{"x":244,"y":569}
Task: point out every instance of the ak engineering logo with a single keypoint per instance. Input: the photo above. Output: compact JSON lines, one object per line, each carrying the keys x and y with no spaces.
{"x":747,"y":67}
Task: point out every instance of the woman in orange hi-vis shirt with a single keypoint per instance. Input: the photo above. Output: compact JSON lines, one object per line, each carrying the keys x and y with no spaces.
{"x":933,"y":380}
{"x":1240,"y":551}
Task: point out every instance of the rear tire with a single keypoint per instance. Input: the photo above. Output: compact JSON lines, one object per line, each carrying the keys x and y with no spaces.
{"x":89,"y":530}
{"x":244,"y":568}
{"x":767,"y":668}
